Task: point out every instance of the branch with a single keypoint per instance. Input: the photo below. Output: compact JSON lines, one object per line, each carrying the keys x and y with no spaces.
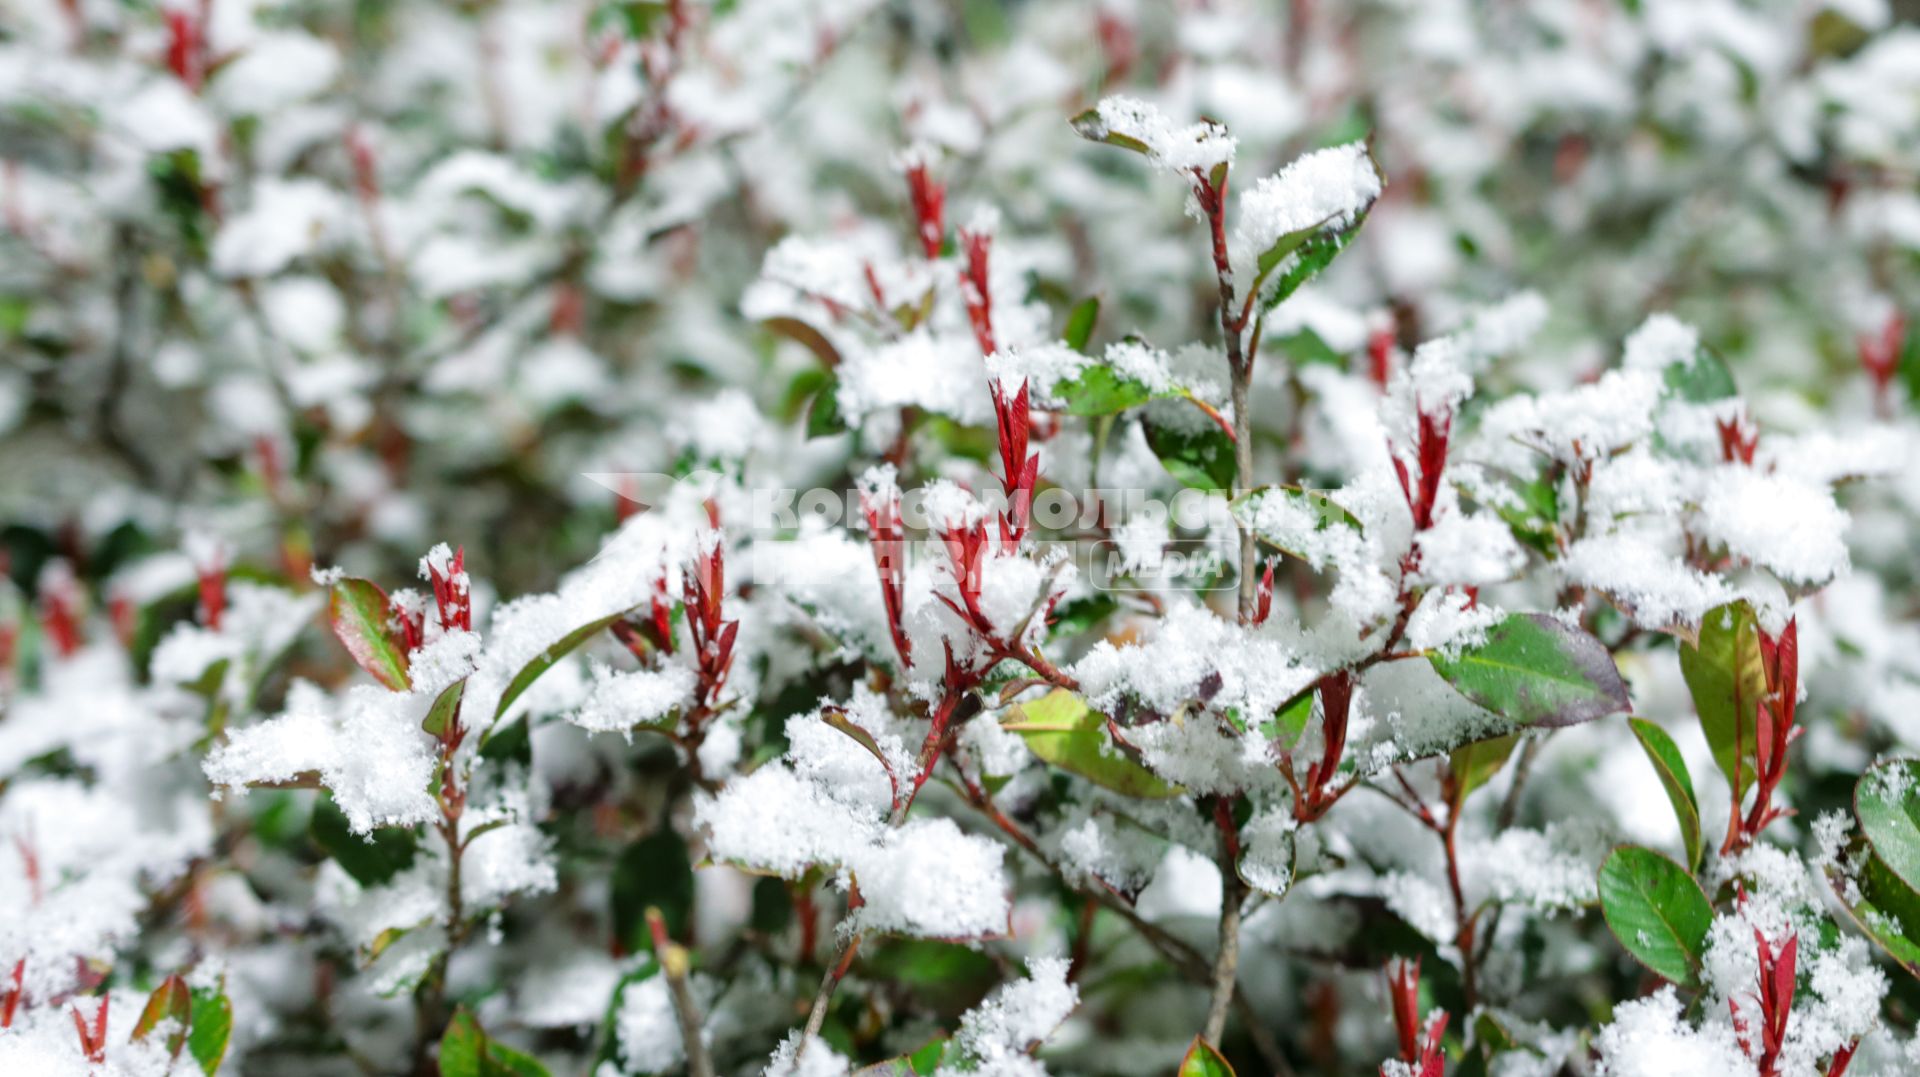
{"x":674,"y":965}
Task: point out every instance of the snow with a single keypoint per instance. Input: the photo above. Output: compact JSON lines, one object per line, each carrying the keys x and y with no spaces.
{"x":1171,"y":147}
{"x":929,"y":880}
{"x":1788,"y":526}
{"x":995,"y":1036}
{"x":620,"y":701}
{"x":369,"y":750}
{"x":774,"y":821}
{"x":1649,"y":1038}
{"x":1326,"y":190}
{"x":287,"y":220}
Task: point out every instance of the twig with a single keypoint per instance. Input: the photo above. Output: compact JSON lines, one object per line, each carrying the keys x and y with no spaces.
{"x":674,"y":964}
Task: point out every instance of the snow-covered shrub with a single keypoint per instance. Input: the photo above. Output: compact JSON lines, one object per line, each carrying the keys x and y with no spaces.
{"x":830,"y":536}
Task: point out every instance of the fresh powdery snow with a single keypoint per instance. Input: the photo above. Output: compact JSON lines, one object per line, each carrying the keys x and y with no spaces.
{"x":1174,"y":147}
{"x":1326,"y":190}
{"x":927,"y":879}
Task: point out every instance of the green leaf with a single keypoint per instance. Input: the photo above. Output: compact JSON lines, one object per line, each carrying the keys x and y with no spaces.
{"x":1101,"y":390}
{"x":1881,"y":905}
{"x":467,"y":1051}
{"x":921,"y":1063}
{"x":1191,"y":447}
{"x":837,"y":718}
{"x":1090,"y":126}
{"x":170,"y":1000}
{"x":210,"y":1029}
{"x":1061,"y":729}
{"x":1080,"y":323}
{"x":1701,"y":380}
{"x":1724,"y":674}
{"x":1667,"y":762}
{"x":1287,"y":517}
{"x":1533,"y":513}
{"x":208,"y":686}
{"x":1291,"y":719}
{"x":823,"y":415}
{"x":1081,"y":614}
{"x":654,"y":871}
{"x":360,"y":616}
{"x":1657,"y":912}
{"x":1536,"y":671}
{"x":544,"y":661}
{"x":1204,"y":1061}
{"x":1299,"y":257}
{"x":509,"y":743}
{"x":1886,"y":800}
{"x":372,"y":859}
{"x":1474,"y":765}
{"x":812,"y":339}
{"x":445,"y":712}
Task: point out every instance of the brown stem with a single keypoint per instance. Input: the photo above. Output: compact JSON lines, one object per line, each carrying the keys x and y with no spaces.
{"x":675,"y":965}
{"x":1176,"y":951}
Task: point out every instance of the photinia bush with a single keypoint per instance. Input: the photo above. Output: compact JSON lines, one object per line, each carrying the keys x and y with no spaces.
{"x":828,"y":537}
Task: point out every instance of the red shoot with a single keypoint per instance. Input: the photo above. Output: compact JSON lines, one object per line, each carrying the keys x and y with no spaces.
{"x":713,"y":635}
{"x":185,"y":55}
{"x":1420,"y":1047}
{"x":452,"y":597}
{"x":661,"y":607}
{"x":60,"y":608}
{"x":1774,"y":730}
{"x":30,"y":865}
{"x":1738,"y":439}
{"x":1775,"y":996}
{"x":1422,"y":491}
{"x":967,"y":553}
{"x":1842,"y":1059}
{"x":1263,"y":596}
{"x":1380,"y":355}
{"x":1119,"y":46}
{"x":93,"y":1041}
{"x":873,"y":287}
{"x":973,"y":287}
{"x":125,"y":617}
{"x":366,"y":176}
{"x":1018,"y":470}
{"x":10,"y":999}
{"x":1312,"y":800}
{"x":569,"y":313}
{"x":929,"y":211}
{"x":410,"y":618}
{"x":1880,"y":355}
{"x":210,"y":569}
{"x":889,"y":545}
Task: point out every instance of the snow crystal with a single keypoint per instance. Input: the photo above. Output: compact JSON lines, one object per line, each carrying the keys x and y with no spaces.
{"x":620,"y":701}
{"x":929,"y":880}
{"x":288,"y":219}
{"x":1644,"y":578}
{"x":648,"y":1027}
{"x":370,"y":751}
{"x":1660,"y":342}
{"x":1013,"y":1020}
{"x":819,"y":1060}
{"x":1326,"y":189}
{"x":1649,"y":1038}
{"x":773,"y":820}
{"x":1786,"y":525}
{"x":1468,"y":551}
{"x":1173,"y":148}
{"x":1257,"y":673}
